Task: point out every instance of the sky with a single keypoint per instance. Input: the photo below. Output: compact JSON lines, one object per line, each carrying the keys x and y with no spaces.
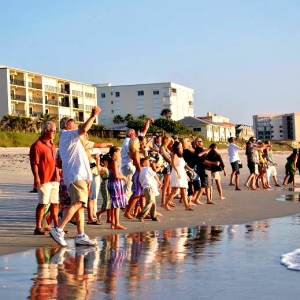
{"x":241,"y":57}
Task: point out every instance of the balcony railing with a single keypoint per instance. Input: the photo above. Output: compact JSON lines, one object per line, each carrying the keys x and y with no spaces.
{"x":64,"y":103}
{"x":64,"y":91}
{"x":76,"y":105}
{"x":79,"y":119}
{"x":35,"y":85}
{"x":17,"y":82}
{"x":51,"y":88}
{"x":18,"y":97}
{"x":88,"y":107}
{"x":36,"y":114}
{"x":52,"y":102}
{"x":16,"y":112}
{"x":36,"y":100}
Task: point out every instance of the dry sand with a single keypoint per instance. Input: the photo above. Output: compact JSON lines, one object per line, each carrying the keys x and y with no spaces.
{"x":17,"y":205}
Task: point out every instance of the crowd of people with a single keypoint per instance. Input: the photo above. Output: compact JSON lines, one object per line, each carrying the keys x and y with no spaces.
{"x":130,"y":178}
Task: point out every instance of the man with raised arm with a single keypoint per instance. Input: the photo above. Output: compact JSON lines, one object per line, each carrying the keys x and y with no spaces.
{"x":77,"y":175}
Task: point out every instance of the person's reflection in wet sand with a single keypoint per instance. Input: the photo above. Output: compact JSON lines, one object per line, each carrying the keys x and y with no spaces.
{"x":45,"y":284}
{"x":113,"y":262}
{"x":62,"y":276}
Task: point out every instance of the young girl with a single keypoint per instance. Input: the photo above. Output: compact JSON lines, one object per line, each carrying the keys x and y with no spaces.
{"x":115,"y":187}
{"x":104,"y":174}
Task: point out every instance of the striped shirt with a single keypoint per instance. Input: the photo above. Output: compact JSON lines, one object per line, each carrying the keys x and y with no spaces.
{"x":75,"y":163}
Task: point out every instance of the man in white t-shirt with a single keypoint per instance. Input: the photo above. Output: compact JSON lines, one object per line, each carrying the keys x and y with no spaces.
{"x":150,"y":183}
{"x":234,"y":159}
{"x":77,"y":176}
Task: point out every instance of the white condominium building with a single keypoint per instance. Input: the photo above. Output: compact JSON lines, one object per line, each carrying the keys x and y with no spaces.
{"x":277,"y":126}
{"x":32,"y":94}
{"x":144,"y":99}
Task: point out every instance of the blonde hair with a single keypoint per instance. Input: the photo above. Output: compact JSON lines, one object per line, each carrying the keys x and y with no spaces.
{"x":134,"y":146}
{"x":185,"y":142}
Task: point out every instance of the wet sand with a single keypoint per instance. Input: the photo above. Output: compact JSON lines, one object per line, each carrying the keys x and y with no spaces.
{"x":17,"y":205}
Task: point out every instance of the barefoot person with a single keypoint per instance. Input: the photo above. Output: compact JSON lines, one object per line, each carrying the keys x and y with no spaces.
{"x":234,"y":159}
{"x":115,"y":187}
{"x":77,"y":175}
{"x":46,"y":179}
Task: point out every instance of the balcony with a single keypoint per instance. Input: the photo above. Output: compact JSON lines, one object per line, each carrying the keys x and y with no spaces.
{"x":36,"y":115}
{"x":35,"y":85}
{"x":88,"y":107}
{"x":79,"y":119}
{"x":64,"y":91}
{"x":17,"y":82}
{"x":64,"y":103}
{"x":36,"y":100}
{"x":52,"y":102}
{"x":18,"y":97}
{"x":18,"y":112}
{"x":78,"y":106}
{"x":50,"y":88}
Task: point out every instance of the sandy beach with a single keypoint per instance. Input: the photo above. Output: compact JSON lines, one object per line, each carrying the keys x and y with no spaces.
{"x":17,"y":205}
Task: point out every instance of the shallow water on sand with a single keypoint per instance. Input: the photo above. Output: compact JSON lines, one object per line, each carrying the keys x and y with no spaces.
{"x":218,"y":262}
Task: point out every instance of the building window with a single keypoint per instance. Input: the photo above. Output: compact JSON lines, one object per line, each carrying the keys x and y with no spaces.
{"x":140,"y":93}
{"x":117,"y":103}
{"x":103,"y":105}
{"x":156,"y":101}
{"x":156,"y":92}
{"x":141,"y":102}
{"x":111,"y":102}
{"x":117,"y":94}
{"x":141,"y":111}
{"x":111,"y":93}
{"x":112,"y":111}
{"x":102,"y":95}
{"x":166,"y":92}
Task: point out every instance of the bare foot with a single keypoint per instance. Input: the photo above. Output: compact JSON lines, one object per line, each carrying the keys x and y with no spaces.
{"x":231,"y":184}
{"x":172,"y":204}
{"x":112,"y":226}
{"x":159,"y":214}
{"x":246,"y":185}
{"x":120,"y":227}
{"x":222,"y":198}
{"x":198,"y":202}
{"x":188,"y":208}
{"x":166,"y":207}
{"x":237,"y":189}
{"x":192,"y":203}
{"x":210,"y":202}
{"x":129,"y":216}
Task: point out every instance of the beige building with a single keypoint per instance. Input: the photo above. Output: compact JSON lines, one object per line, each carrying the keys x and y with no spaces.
{"x":277,"y":126}
{"x":213,"y":131}
{"x":144,"y":99}
{"x":244,"y":132}
{"x":32,"y":94}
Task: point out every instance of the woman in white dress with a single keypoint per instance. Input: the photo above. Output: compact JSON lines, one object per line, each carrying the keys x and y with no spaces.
{"x":178,"y":178}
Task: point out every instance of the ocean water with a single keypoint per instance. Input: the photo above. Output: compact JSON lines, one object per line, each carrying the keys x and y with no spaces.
{"x":259,"y":260}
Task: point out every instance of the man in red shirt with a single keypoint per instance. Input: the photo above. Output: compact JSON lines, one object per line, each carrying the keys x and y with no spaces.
{"x":46,"y":179}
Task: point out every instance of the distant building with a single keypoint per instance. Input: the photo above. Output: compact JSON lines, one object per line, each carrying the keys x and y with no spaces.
{"x":277,"y":126}
{"x":31,"y":94}
{"x":244,"y":132}
{"x":144,"y":99}
{"x":213,"y":131}
{"x":226,"y":128}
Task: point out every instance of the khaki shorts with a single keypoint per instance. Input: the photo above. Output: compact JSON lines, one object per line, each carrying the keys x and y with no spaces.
{"x":48,"y":193}
{"x":78,"y":191}
{"x":216,"y":175}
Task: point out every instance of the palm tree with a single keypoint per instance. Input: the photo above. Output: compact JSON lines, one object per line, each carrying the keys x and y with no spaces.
{"x":167,"y":113}
{"x":118,"y":119}
{"x":128,"y":117}
{"x":142,"y":117}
